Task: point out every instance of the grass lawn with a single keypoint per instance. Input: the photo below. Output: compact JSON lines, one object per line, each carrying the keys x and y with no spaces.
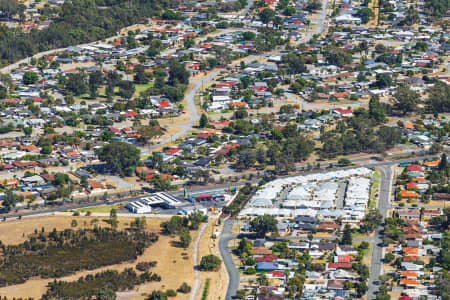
{"x":101,"y":208}
{"x":373,"y":189}
{"x":358,"y":235}
{"x":142,"y":87}
{"x":376,"y":174}
{"x":366,"y":253}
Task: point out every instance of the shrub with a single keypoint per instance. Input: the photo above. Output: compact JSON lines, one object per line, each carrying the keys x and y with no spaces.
{"x":250,"y":271}
{"x":144,"y":266}
{"x":364,"y":245}
{"x":389,"y":257}
{"x":184,"y":288}
{"x":250,"y":262}
{"x":171,"y":293}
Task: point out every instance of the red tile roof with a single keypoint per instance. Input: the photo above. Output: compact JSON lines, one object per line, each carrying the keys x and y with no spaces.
{"x":344,"y":258}
{"x":164,"y":103}
{"x":267,"y":258}
{"x":339,"y":265}
{"x":411,"y":185}
{"x":130,"y":113}
{"x":173,"y":151}
{"x":414,"y":168}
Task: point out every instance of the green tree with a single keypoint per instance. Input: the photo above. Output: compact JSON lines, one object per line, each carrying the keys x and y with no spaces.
{"x":69,"y":99}
{"x":185,"y":239}
{"x":210,"y":263}
{"x":184,"y":288}
{"x":389,"y":257}
{"x":371,"y":221}
{"x":267,"y":15}
{"x":439,"y":97}
{"x":203,"y":121}
{"x":140,"y":76}
{"x":177,"y":73}
{"x":27,"y":130}
{"x":126,"y":89}
{"x":389,"y":136}
{"x":262,"y":279}
{"x":347,"y":236}
{"x":365,"y":14}
{"x":30,"y":78}
{"x":383,"y":80}
{"x":294,"y":286}
{"x":376,"y":110}
{"x":412,"y":17}
{"x":338,"y":57}
{"x":435,"y":148}
{"x":295,"y":63}
{"x":120,"y":157}
{"x":248,"y":36}
{"x":245,"y":246}
{"x":77,"y":84}
{"x":405,"y":99}
{"x":148,"y":132}
{"x":263,"y":225}
{"x":95,"y":80}
{"x":47,"y":149}
{"x":443,"y":164}
{"x":361,"y":288}
{"x":313,"y":5}
{"x":157,"y":295}
{"x":174,"y":93}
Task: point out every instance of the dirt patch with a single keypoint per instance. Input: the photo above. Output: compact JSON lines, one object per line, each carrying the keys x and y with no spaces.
{"x":171,"y":265}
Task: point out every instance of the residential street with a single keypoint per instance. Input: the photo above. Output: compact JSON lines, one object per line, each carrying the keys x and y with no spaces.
{"x":383,"y":207}
{"x":233,"y":275}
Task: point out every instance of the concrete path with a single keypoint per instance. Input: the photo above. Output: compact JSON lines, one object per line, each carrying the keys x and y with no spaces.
{"x":196,"y":286}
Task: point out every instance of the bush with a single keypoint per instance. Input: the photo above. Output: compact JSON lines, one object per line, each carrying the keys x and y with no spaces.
{"x":89,"y":285}
{"x":250,"y":262}
{"x":86,"y":249}
{"x":210,"y":263}
{"x":389,"y":257}
{"x":145,"y":265}
{"x":184,"y":288}
{"x":250,"y":271}
{"x":364,"y":245}
{"x":171,"y":293}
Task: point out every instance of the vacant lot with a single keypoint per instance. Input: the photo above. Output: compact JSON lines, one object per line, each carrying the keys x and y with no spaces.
{"x":171,"y":265}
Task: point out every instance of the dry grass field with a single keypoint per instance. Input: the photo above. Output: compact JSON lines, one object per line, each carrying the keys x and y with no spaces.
{"x":174,"y":265}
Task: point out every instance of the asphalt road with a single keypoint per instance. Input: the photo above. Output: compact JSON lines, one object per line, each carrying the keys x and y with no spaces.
{"x":200,"y":189}
{"x":225,"y":238}
{"x":383,"y":206}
